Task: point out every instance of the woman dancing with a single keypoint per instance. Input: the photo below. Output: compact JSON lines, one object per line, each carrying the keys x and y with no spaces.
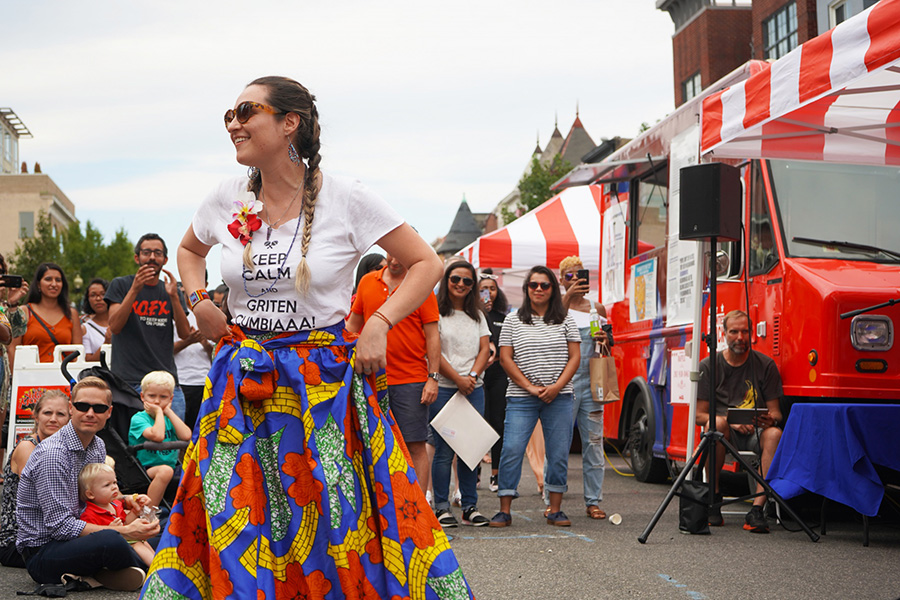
{"x":297,"y":483}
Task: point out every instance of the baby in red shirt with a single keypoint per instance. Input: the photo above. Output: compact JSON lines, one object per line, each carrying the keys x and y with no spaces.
{"x":99,"y":490}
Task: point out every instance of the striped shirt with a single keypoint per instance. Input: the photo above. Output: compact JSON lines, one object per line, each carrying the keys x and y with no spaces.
{"x":540,"y":350}
{"x":48,"y":507}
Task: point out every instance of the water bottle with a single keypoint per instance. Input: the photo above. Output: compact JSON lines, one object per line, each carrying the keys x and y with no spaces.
{"x":595,"y":321}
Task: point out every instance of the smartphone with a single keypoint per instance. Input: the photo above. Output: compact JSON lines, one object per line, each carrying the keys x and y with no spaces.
{"x":583,"y":274}
{"x":11,"y":281}
{"x":485,"y":296}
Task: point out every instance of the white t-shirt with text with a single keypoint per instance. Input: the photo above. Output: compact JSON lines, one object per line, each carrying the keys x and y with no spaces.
{"x":349,"y":219}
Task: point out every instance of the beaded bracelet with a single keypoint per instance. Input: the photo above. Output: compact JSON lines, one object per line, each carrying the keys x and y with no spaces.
{"x":197,"y":297}
{"x":383,"y":318}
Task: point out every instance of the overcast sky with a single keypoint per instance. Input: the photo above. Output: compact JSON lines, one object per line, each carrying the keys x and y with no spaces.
{"x":423,"y":102}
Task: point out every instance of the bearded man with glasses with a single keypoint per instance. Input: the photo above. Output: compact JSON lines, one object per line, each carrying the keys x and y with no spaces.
{"x":56,"y":544}
{"x":144,"y":312}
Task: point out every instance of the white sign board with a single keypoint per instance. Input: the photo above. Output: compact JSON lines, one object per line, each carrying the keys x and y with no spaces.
{"x":680,"y":377}
{"x":612,"y":265}
{"x":683,"y":256}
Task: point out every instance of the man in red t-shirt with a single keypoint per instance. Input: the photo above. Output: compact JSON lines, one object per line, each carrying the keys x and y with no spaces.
{"x":413,"y":357}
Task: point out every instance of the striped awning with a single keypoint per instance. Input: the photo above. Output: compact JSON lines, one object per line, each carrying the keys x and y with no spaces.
{"x":565,"y":225}
{"x":835,"y":98}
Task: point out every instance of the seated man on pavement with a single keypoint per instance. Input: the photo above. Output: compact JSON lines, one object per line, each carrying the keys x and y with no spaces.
{"x":52,"y":538}
{"x":745,"y":379}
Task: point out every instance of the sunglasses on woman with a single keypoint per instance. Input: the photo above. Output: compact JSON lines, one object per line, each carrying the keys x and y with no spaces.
{"x":466,"y":281}
{"x":245,"y":110}
{"x":544,"y":285}
{"x":99,"y":409}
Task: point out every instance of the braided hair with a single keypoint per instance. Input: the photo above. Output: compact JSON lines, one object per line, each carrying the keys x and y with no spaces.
{"x":289,"y":96}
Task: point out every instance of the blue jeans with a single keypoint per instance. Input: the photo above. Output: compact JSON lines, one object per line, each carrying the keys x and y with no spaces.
{"x":589,"y":417}
{"x":443,"y":456}
{"x":522,"y":414}
{"x":85,"y":555}
{"x":178,"y":403}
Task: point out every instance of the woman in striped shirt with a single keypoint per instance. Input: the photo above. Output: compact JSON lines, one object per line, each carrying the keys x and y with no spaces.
{"x":539,"y":350}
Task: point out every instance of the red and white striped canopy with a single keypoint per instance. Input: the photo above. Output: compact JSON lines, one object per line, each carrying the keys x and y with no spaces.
{"x":567,"y":224}
{"x":836,"y":98}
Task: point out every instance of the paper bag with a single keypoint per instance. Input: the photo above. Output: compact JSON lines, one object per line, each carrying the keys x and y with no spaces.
{"x":464,"y":430}
{"x":604,"y":382}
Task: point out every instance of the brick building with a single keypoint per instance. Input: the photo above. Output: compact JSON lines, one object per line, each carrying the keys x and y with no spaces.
{"x":714,"y":37}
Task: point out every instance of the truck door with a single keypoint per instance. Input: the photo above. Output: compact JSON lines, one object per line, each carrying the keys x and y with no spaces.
{"x":764,"y":265}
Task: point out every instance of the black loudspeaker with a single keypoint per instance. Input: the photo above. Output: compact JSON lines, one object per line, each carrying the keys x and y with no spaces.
{"x":710,"y":202}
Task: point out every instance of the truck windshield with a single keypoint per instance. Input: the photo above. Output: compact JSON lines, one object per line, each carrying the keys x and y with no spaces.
{"x":834,"y":210}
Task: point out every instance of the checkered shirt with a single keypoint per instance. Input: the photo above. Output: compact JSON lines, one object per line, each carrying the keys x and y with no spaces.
{"x":48,"y":507}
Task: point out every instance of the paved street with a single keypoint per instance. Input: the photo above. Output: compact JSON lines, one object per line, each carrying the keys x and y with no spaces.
{"x":594,"y":560}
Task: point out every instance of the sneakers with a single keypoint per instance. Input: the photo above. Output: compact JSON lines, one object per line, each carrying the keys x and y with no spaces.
{"x":472,"y":517}
{"x":123,"y":580}
{"x":456,"y":500}
{"x":559,"y":519}
{"x":756,"y":521}
{"x":446,"y":519}
{"x":493,"y":486}
{"x":501,"y":519}
{"x":715,"y":513}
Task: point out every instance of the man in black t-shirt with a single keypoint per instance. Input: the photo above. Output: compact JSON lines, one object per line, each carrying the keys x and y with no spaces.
{"x":142,"y":312}
{"x":744,"y":379}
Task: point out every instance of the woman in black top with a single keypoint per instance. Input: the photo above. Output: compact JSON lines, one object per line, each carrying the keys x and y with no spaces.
{"x":495,"y":380}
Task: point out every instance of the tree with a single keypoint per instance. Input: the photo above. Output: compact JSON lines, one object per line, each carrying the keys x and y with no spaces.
{"x":77,"y":252}
{"x":534,"y":187}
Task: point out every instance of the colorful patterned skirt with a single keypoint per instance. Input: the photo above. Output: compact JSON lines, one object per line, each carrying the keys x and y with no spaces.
{"x":297,"y":484}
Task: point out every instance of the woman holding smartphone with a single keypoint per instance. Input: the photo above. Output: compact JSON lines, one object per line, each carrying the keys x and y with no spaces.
{"x":587,"y":414}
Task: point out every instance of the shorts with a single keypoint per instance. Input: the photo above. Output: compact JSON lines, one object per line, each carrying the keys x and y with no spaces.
{"x":409,"y":412}
{"x":746,"y":442}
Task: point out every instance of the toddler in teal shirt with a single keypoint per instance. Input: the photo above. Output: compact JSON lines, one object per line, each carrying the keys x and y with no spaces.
{"x":157,"y":423}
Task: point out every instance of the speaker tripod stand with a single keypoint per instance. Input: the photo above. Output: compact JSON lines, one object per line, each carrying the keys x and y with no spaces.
{"x":707,"y":447}
{"x":701,"y":454}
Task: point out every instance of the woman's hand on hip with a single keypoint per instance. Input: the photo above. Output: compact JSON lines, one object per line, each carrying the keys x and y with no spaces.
{"x":211,"y":321}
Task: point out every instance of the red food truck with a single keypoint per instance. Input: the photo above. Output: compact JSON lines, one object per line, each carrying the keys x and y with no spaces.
{"x":816,"y":138}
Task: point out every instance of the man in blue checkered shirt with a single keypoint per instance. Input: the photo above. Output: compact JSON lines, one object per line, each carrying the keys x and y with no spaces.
{"x":52,"y":538}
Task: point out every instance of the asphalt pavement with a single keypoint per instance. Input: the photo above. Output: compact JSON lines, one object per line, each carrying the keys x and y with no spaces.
{"x":594,"y":560}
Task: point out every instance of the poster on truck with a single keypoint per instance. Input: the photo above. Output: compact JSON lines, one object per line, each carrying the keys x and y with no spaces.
{"x":683,"y":255}
{"x":613,"y":258}
{"x":642,"y":291}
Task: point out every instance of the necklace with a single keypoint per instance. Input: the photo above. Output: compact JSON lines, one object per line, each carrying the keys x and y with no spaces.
{"x":272,"y":285}
{"x":274,"y":224}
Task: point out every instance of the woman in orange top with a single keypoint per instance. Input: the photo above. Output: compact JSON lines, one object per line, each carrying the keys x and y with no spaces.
{"x":51,"y":321}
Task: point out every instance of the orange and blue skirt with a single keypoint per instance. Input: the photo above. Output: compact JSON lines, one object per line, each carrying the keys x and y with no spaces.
{"x":297,"y":484}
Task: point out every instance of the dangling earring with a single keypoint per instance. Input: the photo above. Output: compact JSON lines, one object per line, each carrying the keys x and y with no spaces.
{"x":252,"y":173}
{"x":292,"y":154}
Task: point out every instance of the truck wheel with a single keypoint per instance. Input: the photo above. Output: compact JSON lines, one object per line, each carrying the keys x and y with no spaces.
{"x":647,"y":468}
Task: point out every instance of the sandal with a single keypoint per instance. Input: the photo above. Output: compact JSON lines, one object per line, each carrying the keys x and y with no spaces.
{"x":546,"y":512}
{"x":594,"y":512}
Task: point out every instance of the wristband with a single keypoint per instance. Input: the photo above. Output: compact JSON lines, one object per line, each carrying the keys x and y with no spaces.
{"x":383,"y":318}
{"x":197,"y":297}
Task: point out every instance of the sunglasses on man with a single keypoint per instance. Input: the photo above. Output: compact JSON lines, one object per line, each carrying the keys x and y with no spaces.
{"x":245,"y":110}
{"x":99,"y":409}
